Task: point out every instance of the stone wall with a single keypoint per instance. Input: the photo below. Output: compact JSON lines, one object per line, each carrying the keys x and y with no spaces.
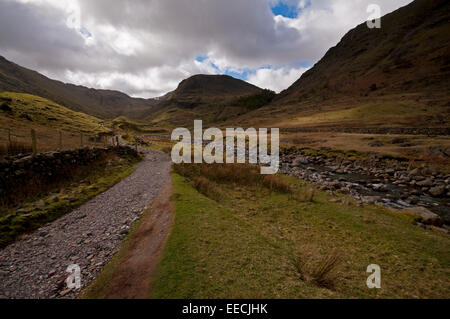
{"x":48,"y":167}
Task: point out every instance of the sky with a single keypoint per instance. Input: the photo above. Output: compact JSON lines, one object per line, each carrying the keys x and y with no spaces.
{"x":146,"y":47}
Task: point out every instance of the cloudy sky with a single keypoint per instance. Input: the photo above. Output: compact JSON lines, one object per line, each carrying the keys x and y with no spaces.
{"x":146,"y":47}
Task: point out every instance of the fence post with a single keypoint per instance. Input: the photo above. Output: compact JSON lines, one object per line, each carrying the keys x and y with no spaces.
{"x":33,"y":141}
{"x":60,"y":141}
{"x":81,"y":140}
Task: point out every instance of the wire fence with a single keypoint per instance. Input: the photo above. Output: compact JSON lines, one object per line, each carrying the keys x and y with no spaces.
{"x":14,"y":141}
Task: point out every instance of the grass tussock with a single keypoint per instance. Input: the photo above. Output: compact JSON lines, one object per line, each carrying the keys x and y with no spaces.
{"x":318,"y":269}
{"x":207,"y":188}
{"x":304,"y":195}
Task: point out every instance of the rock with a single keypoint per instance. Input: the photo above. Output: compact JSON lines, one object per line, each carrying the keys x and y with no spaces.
{"x":301,"y":160}
{"x":23,"y":211}
{"x":390,"y":172}
{"x":371,"y":199}
{"x":413,"y":200}
{"x":65,"y":292}
{"x":39,"y":204}
{"x":438,"y":191}
{"x":43,"y":233}
{"x":379,"y":188}
{"x":414,"y":172}
{"x":427,"y":183}
{"x":426,"y":216}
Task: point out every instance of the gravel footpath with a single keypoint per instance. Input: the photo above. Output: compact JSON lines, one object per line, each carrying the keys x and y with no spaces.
{"x":35,"y":266}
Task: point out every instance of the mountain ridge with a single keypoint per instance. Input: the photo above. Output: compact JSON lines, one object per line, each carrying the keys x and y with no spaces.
{"x":96,"y":102}
{"x":407,"y":59}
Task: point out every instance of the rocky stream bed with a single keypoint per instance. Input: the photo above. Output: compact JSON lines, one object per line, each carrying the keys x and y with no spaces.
{"x":392,"y":183}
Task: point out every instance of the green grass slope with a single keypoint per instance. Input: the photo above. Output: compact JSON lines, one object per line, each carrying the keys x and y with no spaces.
{"x":33,"y":110}
{"x":253,"y":243}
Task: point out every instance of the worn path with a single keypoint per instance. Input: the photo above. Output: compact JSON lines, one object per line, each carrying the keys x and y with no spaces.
{"x":35,"y":266}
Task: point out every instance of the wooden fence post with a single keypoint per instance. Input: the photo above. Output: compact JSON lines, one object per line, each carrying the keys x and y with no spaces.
{"x":33,"y":142}
{"x":60,"y":141}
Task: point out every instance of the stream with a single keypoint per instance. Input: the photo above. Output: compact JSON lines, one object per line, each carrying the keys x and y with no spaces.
{"x":382,"y":188}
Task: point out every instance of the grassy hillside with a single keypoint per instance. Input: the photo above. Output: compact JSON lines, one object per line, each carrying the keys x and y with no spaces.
{"x":212,"y":98}
{"x":21,"y":112}
{"x":391,"y":113}
{"x":100,"y":103}
{"x":40,"y":111}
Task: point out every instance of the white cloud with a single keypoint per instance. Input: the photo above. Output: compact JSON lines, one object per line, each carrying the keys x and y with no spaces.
{"x":276,"y":79}
{"x":146,"y":47}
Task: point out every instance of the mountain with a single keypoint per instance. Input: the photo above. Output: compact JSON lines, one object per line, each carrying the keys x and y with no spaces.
{"x":201,"y":88}
{"x":401,"y":69}
{"x":100,"y":103}
{"x":212,"y":98}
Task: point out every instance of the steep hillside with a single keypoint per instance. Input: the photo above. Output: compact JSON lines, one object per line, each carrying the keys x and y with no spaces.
{"x":101,"y":103}
{"x":406,"y":62}
{"x":30,"y":109}
{"x":212,"y":98}
{"x":20,"y":112}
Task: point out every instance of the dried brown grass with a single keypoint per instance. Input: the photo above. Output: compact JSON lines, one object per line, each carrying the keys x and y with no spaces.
{"x":317,"y":268}
{"x":239,"y":174}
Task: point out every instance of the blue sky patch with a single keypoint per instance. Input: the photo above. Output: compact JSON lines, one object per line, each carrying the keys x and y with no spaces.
{"x":285,"y":10}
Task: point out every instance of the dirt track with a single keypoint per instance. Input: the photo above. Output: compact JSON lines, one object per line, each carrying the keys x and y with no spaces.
{"x":133,"y":277}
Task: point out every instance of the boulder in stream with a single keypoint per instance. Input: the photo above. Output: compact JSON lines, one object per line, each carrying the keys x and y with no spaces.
{"x":426,"y":216}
